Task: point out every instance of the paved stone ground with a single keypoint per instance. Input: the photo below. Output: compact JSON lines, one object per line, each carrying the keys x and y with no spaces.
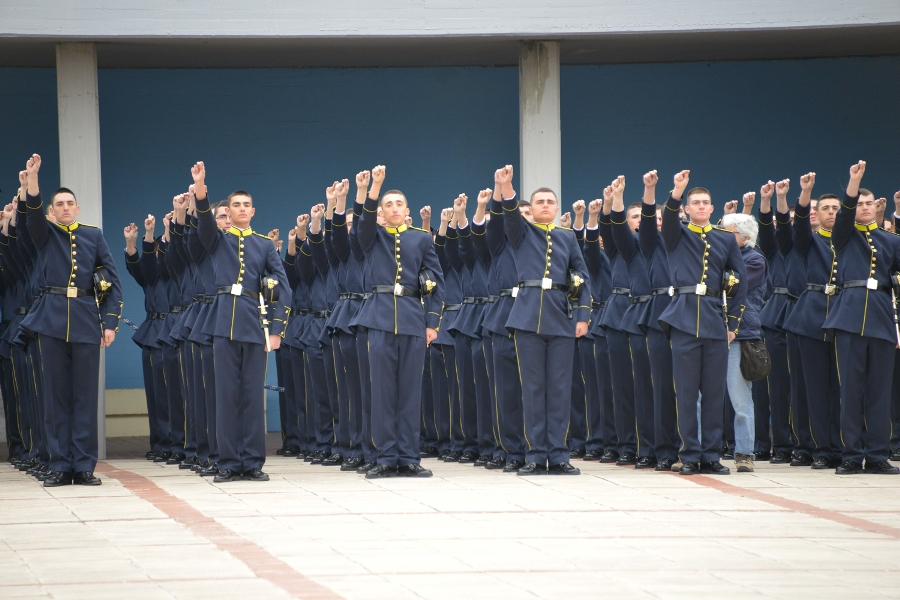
{"x":155,"y":532}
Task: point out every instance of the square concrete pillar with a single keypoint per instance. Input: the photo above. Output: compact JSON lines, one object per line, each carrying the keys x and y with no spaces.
{"x":539,"y":129}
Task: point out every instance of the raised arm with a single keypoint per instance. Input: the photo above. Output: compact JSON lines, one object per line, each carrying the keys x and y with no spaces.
{"x":440,"y":240}
{"x":479,"y":228}
{"x":767,"y":242}
{"x":513,"y":222}
{"x":368,"y":222}
{"x":206,"y":228}
{"x":648,"y":234}
{"x":591,"y":248}
{"x":671,"y":221}
{"x":605,"y":225}
{"x":496,"y":232}
{"x":340,"y":239}
{"x":626,"y":243}
{"x":466,"y":247}
{"x":39,"y":224}
{"x":802,"y":227}
{"x":844,"y":222}
{"x":316,"y":239}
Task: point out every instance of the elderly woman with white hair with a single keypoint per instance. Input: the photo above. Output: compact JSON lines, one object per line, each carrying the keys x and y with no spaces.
{"x":740,"y":390}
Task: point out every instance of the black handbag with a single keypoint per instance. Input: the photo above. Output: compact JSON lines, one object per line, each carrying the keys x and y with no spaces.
{"x":755,"y":360}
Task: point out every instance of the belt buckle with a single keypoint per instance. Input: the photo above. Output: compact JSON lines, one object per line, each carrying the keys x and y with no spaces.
{"x":546,"y":283}
{"x":871,"y":283}
{"x":237,"y":289}
{"x":671,"y":290}
{"x":71,"y":292}
{"x":700,"y":290}
{"x":514,"y":292}
{"x":398,"y":289}
{"x":830,"y":289}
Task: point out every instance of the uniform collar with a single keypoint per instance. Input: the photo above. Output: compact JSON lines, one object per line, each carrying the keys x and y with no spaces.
{"x":240,"y":232}
{"x":697,"y":229}
{"x":545,"y":226}
{"x":395,"y":230}
{"x":868,"y":227}
{"x":69,"y":228}
{"x":824,"y":232}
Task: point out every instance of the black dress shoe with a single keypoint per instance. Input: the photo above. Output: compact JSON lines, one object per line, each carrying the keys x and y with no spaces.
{"x":468,"y":457}
{"x":609,"y":456}
{"x":210,"y":471}
{"x":291,"y":451}
{"x":366,"y":467}
{"x":802,"y":459}
{"x":189,"y":463}
{"x":318,"y":457}
{"x":44,"y":476}
{"x":452,"y":456}
{"x":781,"y":457}
{"x":895,"y":454}
{"x":690,"y":468}
{"x":255,"y":475}
{"x":150,"y":455}
{"x":714,"y":468}
{"x":530,"y":469}
{"x":381,"y":471}
{"x":413,"y":471}
{"x":822,"y":463}
{"x":577,"y":453}
{"x":443,"y":454}
{"x":85,"y":478}
{"x":351,"y":464}
{"x":335,"y":460}
{"x":665,"y":464}
{"x":175,"y":458}
{"x":480,"y":461}
{"x":728,"y":453}
{"x":513,"y":466}
{"x":849,"y":467}
{"x":626,"y":458}
{"x":429,"y":452}
{"x":880,"y":467}
{"x":58,"y":478}
{"x":14,"y":457}
{"x":161,"y":457}
{"x":226,"y":476}
{"x":199,"y":466}
{"x":762,"y":455}
{"x":563,"y":469}
{"x":496,"y":463}
{"x":592,"y":455}
{"x":306,"y":455}
{"x":28,"y":464}
{"x":280,"y":451}
{"x":646,"y":462}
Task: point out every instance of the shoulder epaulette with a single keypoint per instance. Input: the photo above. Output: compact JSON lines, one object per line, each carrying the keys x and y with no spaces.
{"x":265,"y":237}
{"x":717,"y":228}
{"x":80,"y":224}
{"x":418,"y":229}
{"x":564,"y":228}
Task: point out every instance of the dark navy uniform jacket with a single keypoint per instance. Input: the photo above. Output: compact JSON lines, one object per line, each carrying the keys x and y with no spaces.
{"x":154,"y":301}
{"x":327,"y":262}
{"x":474,"y":284}
{"x":206,"y":284}
{"x":617,"y":304}
{"x":503,"y":274}
{"x":793,"y":263}
{"x":700,"y":255}
{"x":601,"y":278}
{"x":629,"y":249}
{"x":173,"y":291}
{"x":314,"y":275}
{"x":395,"y":255}
{"x":653,"y":247}
{"x":544,"y":251}
{"x":351,"y":274}
{"x":863,"y":252}
{"x":68,"y":255}
{"x":241,"y":257}
{"x":771,"y":315}
{"x":299,"y":312}
{"x":455,"y":318}
{"x":452,"y":288}
{"x":817,"y":254}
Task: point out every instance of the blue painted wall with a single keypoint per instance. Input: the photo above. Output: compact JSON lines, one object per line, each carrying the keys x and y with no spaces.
{"x":285,"y":134}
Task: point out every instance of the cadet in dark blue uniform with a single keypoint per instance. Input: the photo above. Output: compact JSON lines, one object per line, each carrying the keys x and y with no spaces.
{"x":543,"y":323}
{"x":398,"y":327}
{"x":698,"y":256}
{"x":241,"y":260}
{"x":865,"y":329}
{"x":70,"y":330}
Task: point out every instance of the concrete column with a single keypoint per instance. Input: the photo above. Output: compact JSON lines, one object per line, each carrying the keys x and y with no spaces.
{"x":79,"y":155}
{"x":539,"y":131}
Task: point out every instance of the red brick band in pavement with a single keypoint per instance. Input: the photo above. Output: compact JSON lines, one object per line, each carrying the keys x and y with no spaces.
{"x":260,"y":561}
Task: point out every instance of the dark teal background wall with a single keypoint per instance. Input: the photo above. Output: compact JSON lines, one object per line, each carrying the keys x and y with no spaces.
{"x":285,"y":134}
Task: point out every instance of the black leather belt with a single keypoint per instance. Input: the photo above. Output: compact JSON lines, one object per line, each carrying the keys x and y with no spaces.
{"x":226,"y":289}
{"x":61,"y":291}
{"x":640,"y":299}
{"x":659,"y":291}
{"x":156,"y":316}
{"x":206,"y":299}
{"x":320,"y":314}
{"x":352,"y":296}
{"x":452,"y":307}
{"x":476,"y":300}
{"x":389,"y":289}
{"x":783,"y":291}
{"x":539,"y":283}
{"x":865,"y":284}
{"x":21,"y":310}
{"x":692,"y":289}
{"x":505,"y":293}
{"x":301,"y":312}
{"x":598,"y":305}
{"x":620,"y":291}
{"x":492,"y":299}
{"x":176,"y":309}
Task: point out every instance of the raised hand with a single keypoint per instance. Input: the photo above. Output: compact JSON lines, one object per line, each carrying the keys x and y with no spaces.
{"x":179,"y":202}
{"x":302,"y":222}
{"x":362,"y":179}
{"x":447,"y":214}
{"x":378,"y":174}
{"x":782,"y":188}
{"x":330,"y":196}
{"x":566,"y":220}
{"x":150,"y":224}
{"x":33,"y":165}
{"x":594,"y":207}
{"x":578,"y":208}
{"x":807,"y":182}
{"x":749,"y":199}
{"x":316,"y":212}
{"x":425,"y":213}
{"x":651,"y":178}
{"x":274,"y":235}
{"x":198,"y":172}
{"x":896,"y":202}
{"x":131,"y":233}
{"x":766,"y":191}
{"x":681,"y":180}
{"x":504,"y":175}
{"x":730,"y":207}
{"x":856,"y":171}
{"x":484,"y":197}
{"x":342,"y":188}
{"x":459,"y":207}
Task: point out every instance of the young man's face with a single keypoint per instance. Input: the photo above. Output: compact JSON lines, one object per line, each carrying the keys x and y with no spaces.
{"x":65,"y":208}
{"x":658,"y":219}
{"x":634,"y":218}
{"x":526,"y":212}
{"x":240,"y":211}
{"x":394,"y":210}
{"x":349,"y":221}
{"x":222,"y":219}
{"x":379,"y":217}
{"x":865,"y":209}
{"x":699,"y":208}
{"x":826,"y":211}
{"x":813,"y":214}
{"x":544,"y":207}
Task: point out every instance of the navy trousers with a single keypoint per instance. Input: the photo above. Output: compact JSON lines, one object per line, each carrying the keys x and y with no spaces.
{"x":240,"y":405}
{"x":319,"y":403}
{"x":341,"y":442}
{"x":396,"y":364}
{"x":25,"y":404}
{"x":643,"y":395}
{"x":150,"y":395}
{"x":175,"y":392}
{"x":440,"y":396}
{"x":799,"y":403}
{"x":208,"y":363}
{"x":762,"y":440}
{"x":823,"y":396}
{"x":457,"y":435}
{"x":546,"y":399}
{"x":201,"y":423}
{"x":282,"y":395}
{"x":508,"y":387}
{"x":292,"y":372}
{"x":370,"y":452}
{"x":428,"y":433}
{"x":620,"y":369}
{"x":780,"y":394}
{"x":577,"y":434}
{"x":494,"y":417}
{"x":190,"y":411}
{"x":607,"y":404}
{"x":593,"y":410}
{"x":665,"y":413}
{"x":69,"y":375}
{"x":346,"y":348}
{"x":895,"y":404}
{"x":158,"y":396}
{"x":465,"y":374}
{"x":33,"y":363}
{"x":10,"y":409}
{"x":865,"y":364}
{"x":700,"y":366}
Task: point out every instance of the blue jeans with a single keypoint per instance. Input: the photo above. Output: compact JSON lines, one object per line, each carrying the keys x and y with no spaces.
{"x":741,"y":393}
